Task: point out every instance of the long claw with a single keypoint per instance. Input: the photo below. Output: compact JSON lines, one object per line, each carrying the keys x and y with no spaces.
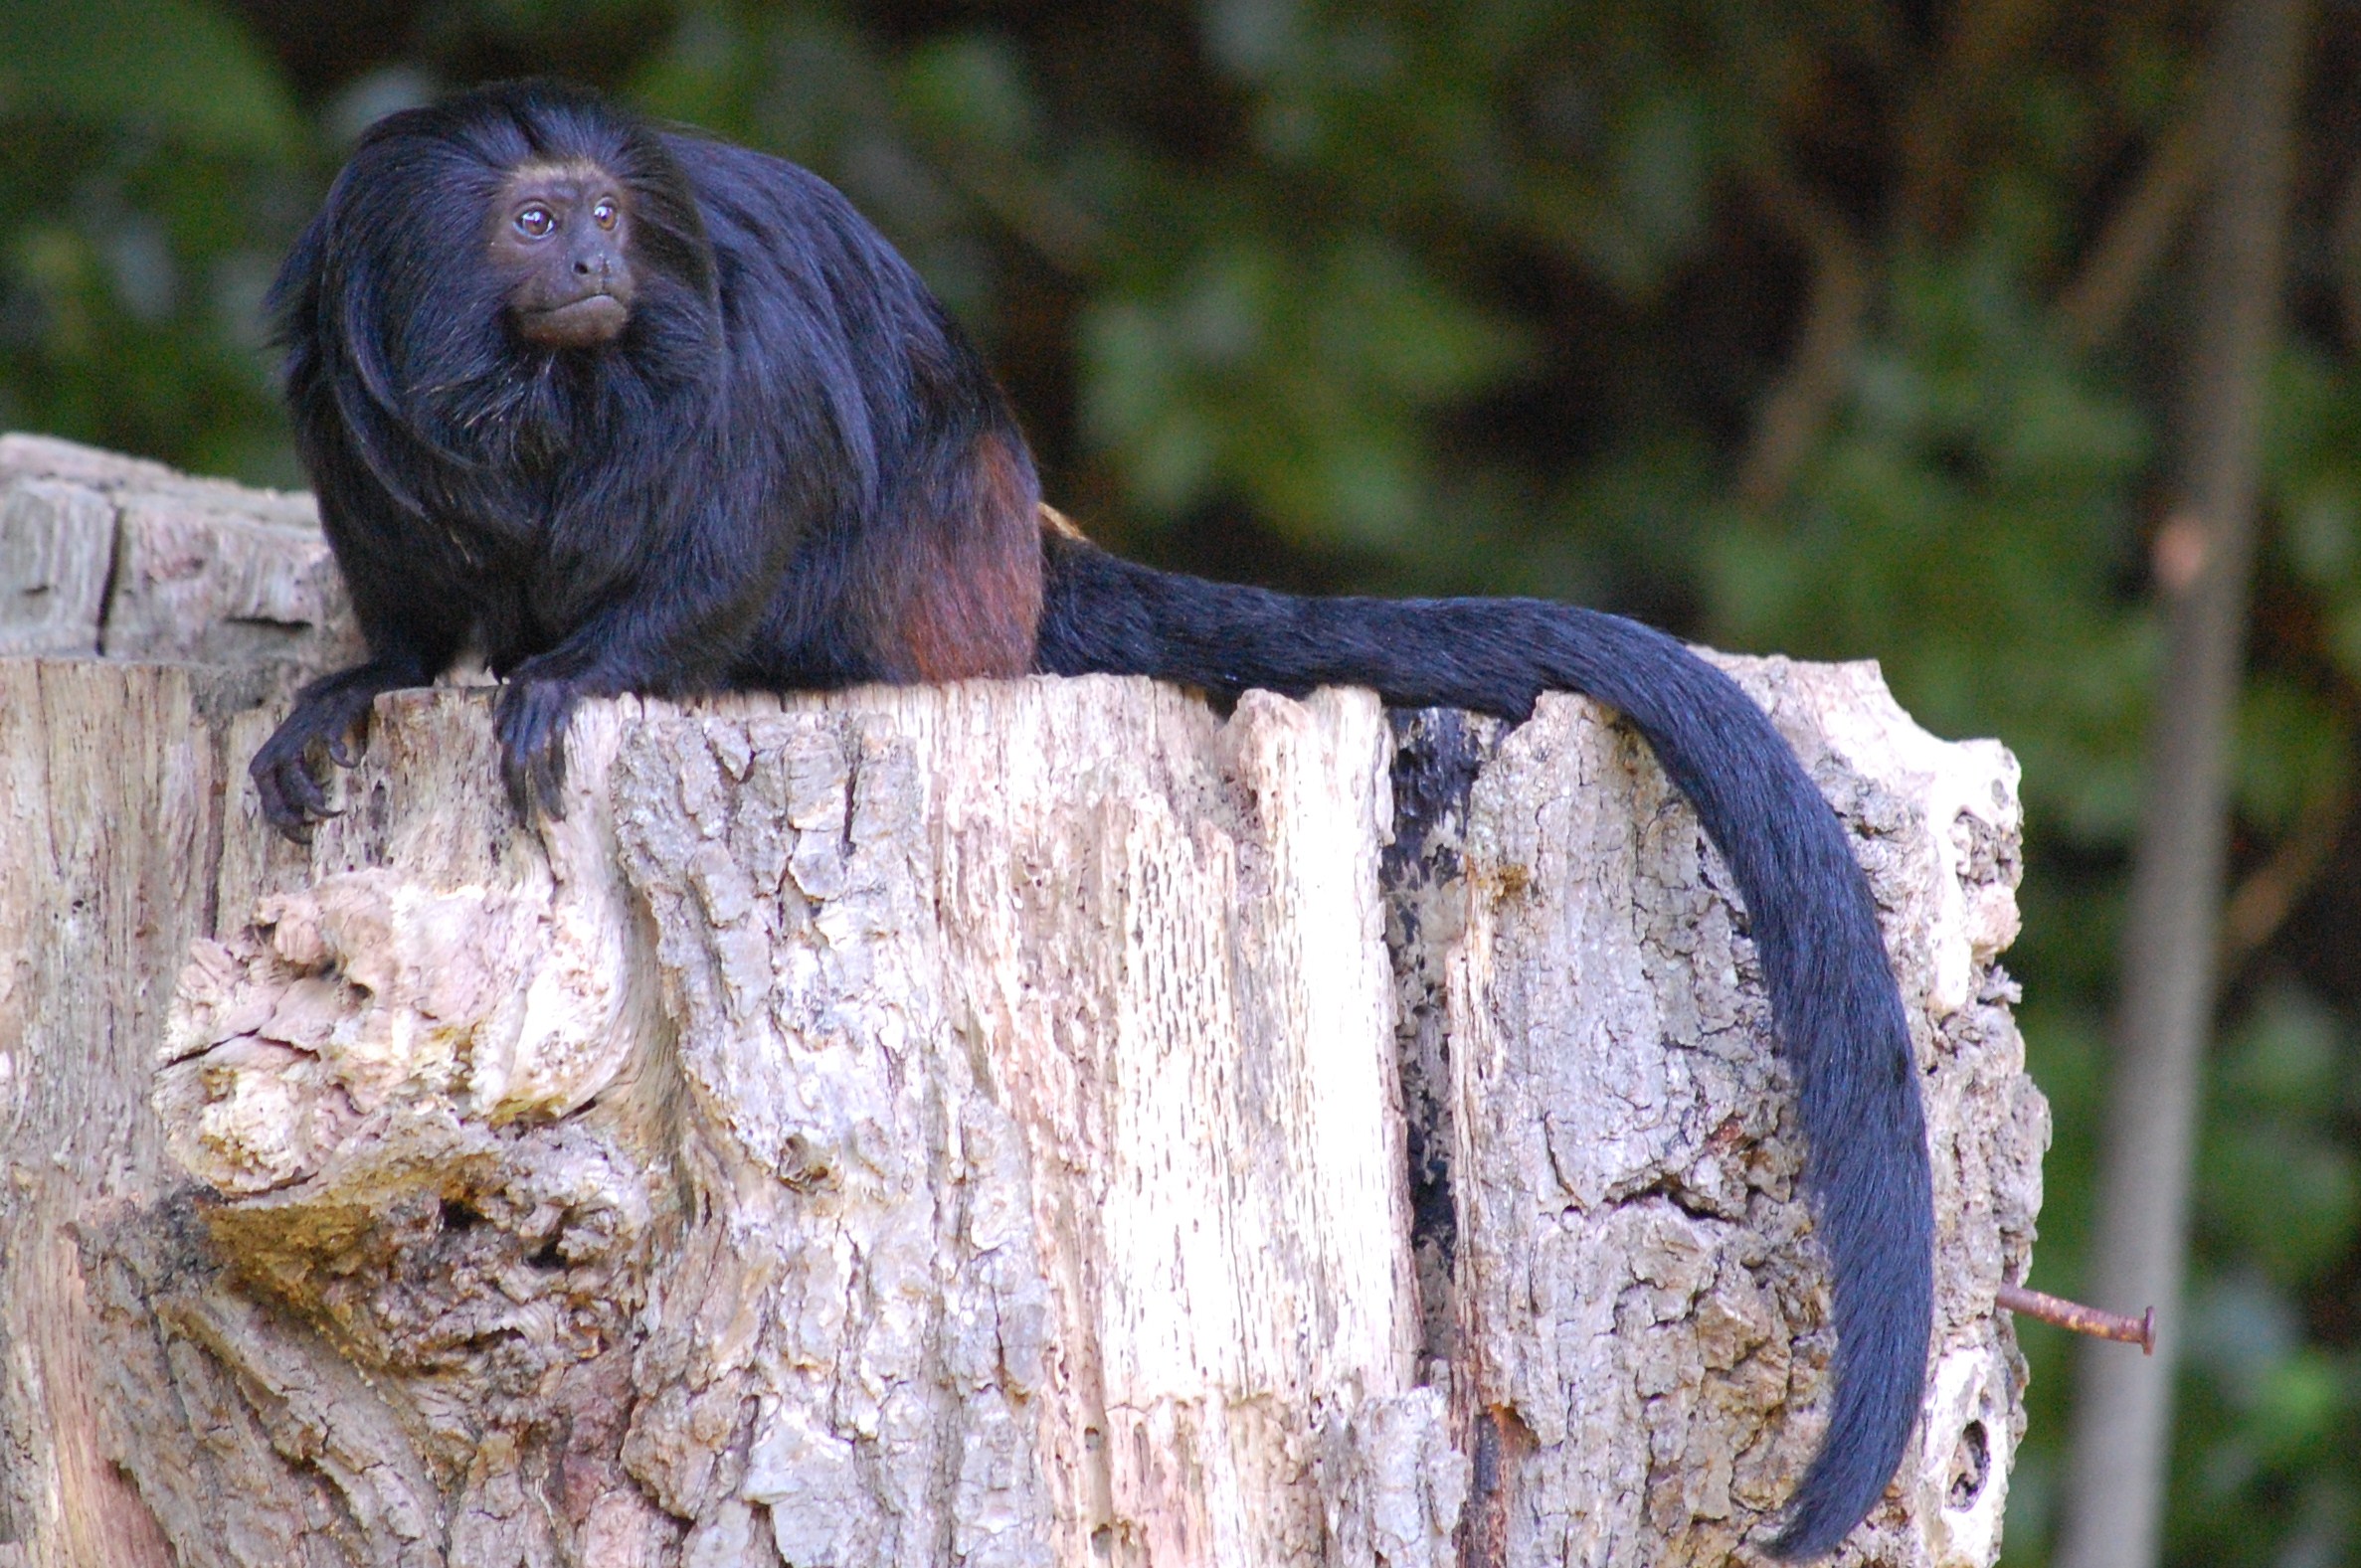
{"x":512,"y":777}
{"x":275,"y":807}
{"x":532,"y":722}
{"x":550,"y":773}
{"x":329,"y":726}
{"x":311,"y":794}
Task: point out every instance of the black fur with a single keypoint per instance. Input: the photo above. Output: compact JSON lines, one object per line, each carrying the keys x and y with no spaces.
{"x":745,"y":490}
{"x":791,"y":471}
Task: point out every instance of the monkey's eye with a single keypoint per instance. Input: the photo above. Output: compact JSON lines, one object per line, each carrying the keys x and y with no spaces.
{"x":604,"y":213}
{"x":536,"y":222}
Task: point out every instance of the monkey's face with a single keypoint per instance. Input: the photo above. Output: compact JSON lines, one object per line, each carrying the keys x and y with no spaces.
{"x":562,"y":239}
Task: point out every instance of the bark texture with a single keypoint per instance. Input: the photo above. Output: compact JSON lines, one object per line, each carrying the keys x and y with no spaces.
{"x":113,"y":555}
{"x":961,"y":1125}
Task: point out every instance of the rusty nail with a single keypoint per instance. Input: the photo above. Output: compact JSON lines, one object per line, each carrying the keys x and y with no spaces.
{"x":2140,"y":1330}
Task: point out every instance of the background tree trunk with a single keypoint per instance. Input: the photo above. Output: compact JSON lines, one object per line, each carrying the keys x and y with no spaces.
{"x":958,"y":1125}
{"x":2122,"y":1415}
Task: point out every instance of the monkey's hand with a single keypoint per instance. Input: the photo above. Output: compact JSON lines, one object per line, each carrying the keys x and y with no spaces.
{"x":329,"y":722}
{"x":531,"y":722}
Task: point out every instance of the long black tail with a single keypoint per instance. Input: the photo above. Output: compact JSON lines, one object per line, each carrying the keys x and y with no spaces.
{"x":1832,"y":993}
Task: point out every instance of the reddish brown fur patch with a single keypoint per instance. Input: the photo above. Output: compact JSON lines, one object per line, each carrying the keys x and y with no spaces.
{"x":973,"y":599}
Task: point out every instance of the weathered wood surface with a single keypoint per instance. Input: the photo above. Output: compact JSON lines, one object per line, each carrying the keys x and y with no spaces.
{"x":951,"y":1126}
{"x":112,"y":782}
{"x":107,"y":778}
{"x":102,"y":554}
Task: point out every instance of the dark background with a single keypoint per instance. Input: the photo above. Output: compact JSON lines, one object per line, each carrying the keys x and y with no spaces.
{"x":1843,"y":329}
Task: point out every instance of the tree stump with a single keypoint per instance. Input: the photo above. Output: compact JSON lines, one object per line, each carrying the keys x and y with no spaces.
{"x":1010,"y":1122}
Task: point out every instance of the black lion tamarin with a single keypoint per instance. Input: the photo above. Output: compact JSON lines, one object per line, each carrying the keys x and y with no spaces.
{"x":625,"y":410}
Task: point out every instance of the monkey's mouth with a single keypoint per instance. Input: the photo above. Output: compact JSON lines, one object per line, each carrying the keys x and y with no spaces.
{"x":578,"y":324}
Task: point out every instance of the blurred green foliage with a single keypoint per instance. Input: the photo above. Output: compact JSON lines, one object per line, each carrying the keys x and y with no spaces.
{"x":1500,"y":296}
